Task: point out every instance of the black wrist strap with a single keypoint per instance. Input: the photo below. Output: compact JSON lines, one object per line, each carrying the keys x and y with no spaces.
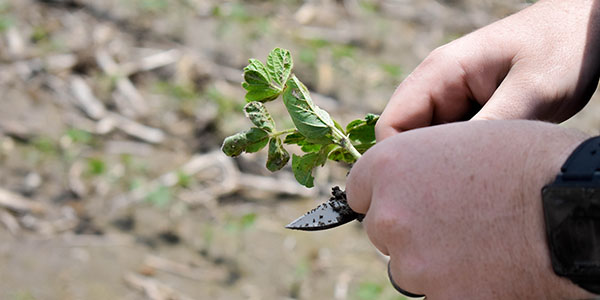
{"x":582,"y":168}
{"x":584,"y":162}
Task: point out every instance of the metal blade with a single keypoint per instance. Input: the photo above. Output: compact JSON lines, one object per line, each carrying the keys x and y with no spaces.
{"x":332,"y":213}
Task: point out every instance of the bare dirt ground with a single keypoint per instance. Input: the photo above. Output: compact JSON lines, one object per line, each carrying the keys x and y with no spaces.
{"x":112,"y":184}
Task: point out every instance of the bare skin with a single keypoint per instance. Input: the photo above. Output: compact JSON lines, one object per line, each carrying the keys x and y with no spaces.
{"x":458,"y":210}
{"x":457,"y":207}
{"x":541,"y":63}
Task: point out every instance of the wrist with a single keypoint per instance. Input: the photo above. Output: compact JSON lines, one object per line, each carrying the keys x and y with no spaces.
{"x":570,"y":201}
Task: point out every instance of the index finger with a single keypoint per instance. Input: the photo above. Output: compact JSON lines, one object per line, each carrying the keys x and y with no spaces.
{"x":435,"y":92}
{"x":359,"y":185}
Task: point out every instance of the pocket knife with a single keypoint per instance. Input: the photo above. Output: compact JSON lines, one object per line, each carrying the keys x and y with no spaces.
{"x":332,"y":213}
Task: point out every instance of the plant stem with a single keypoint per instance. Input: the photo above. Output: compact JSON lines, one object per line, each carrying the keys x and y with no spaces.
{"x":345,"y":143}
{"x":282,"y":132}
{"x":348,"y":146}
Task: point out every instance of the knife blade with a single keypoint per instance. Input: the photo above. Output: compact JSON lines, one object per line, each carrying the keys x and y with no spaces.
{"x":330,"y":214}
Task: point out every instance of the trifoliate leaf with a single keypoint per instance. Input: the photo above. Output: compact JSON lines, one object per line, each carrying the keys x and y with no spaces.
{"x":311,"y":121}
{"x":279,"y":65}
{"x":278,"y":156}
{"x":249,"y":141}
{"x":260,"y":117}
{"x":258,"y":83}
{"x":363,"y":131}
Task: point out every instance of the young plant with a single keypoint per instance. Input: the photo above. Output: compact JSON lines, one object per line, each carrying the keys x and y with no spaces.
{"x":318,"y":135}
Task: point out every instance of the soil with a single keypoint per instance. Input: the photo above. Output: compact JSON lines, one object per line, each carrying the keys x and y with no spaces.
{"x":117,"y":158}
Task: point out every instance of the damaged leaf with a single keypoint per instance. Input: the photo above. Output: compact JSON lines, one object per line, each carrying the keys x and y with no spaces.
{"x":248,"y":141}
{"x":278,"y":156}
{"x":311,"y":121}
{"x":260,"y":117}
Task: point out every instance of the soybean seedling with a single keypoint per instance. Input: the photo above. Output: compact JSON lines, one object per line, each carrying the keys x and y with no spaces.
{"x":319,"y":136}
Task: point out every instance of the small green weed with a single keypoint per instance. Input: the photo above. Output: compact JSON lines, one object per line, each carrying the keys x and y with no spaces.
{"x":45,"y":145}
{"x":79,"y":136}
{"x":183,"y":180}
{"x":161,"y":196}
{"x":96,"y":166}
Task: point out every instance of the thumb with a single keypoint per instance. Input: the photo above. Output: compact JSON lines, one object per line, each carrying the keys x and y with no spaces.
{"x":517,"y":97}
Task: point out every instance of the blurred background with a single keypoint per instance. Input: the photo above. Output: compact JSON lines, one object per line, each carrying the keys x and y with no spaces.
{"x":112,"y":183}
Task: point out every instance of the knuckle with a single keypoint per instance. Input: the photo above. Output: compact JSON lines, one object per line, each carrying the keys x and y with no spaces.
{"x":438,"y":55}
{"x":386,"y":226}
{"x":382,"y":224}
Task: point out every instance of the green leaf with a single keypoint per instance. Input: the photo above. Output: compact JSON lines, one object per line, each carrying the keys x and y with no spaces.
{"x":234,"y":145}
{"x":341,"y":154}
{"x":306,"y":145}
{"x":256,"y":73}
{"x":362,"y":148}
{"x":247,"y":141}
{"x":79,"y":136}
{"x":183,"y":179}
{"x":248,"y":220}
{"x":303,"y":166}
{"x":279,"y":65}
{"x":278,"y":156}
{"x":96,"y":166}
{"x":257,"y":139}
{"x":260,"y":117}
{"x":311,"y":121}
{"x":363,"y":131}
{"x":258,"y":83}
{"x":294,"y":138}
{"x":261,"y":93}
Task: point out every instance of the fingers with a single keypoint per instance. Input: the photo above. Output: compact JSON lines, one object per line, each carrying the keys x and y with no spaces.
{"x":366,"y":190}
{"x":447,"y":84}
{"x":358,"y":185}
{"x":434,"y":93}
{"x":517,"y":97}
{"x":359,"y":188}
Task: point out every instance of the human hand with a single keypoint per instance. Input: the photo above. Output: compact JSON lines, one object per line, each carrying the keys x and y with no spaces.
{"x":458,"y":208}
{"x":541,"y":63}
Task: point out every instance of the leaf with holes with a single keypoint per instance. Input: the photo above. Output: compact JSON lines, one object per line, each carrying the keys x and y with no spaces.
{"x":260,"y":117}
